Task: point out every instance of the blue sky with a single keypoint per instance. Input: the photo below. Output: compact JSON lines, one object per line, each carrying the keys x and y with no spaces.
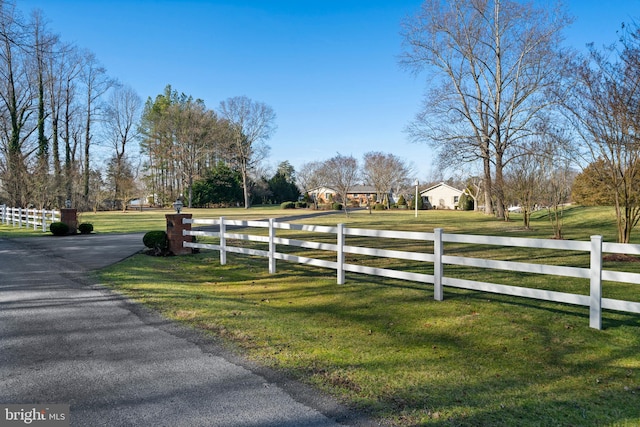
{"x":329,"y":68}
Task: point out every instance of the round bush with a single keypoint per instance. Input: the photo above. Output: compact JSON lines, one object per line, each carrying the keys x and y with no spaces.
{"x":59,"y":228}
{"x":336,"y":206}
{"x":301,"y":205}
{"x":85,"y":228}
{"x":156,"y":240}
{"x":379,"y":207}
{"x":287,"y":205}
{"x":465,"y":202}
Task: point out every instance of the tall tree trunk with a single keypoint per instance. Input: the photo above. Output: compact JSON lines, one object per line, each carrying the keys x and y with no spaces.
{"x":499,"y":188}
{"x":486,"y":162}
{"x":245,"y":184}
{"x":87,"y":144}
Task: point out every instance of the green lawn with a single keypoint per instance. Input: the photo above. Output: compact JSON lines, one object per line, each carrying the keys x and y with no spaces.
{"x":386,"y":347}
{"x":133,"y":221}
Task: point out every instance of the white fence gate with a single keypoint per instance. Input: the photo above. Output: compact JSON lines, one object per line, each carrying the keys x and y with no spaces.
{"x":25,"y":217}
{"x":595,"y":273}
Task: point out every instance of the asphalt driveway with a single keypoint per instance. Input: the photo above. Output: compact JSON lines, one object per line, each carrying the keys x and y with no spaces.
{"x":64,"y":339}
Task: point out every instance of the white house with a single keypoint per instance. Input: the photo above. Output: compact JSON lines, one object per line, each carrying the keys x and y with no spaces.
{"x":441,"y":196}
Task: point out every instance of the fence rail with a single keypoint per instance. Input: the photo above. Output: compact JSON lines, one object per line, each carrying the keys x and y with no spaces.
{"x":594,"y":273}
{"x":39,"y":219}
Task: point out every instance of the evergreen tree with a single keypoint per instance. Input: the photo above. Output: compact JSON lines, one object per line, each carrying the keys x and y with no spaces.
{"x":221,"y":185}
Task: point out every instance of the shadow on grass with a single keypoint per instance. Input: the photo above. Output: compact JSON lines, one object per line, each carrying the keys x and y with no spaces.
{"x":386,"y":346}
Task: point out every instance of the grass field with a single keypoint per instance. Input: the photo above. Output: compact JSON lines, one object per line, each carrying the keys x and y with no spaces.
{"x":386,"y":347}
{"x":133,"y":221}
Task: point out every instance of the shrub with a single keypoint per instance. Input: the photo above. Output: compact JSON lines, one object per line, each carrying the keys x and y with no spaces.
{"x":301,"y":205}
{"x":379,"y":207}
{"x":156,"y":240}
{"x":401,"y":201}
{"x":336,"y":206}
{"x":85,"y":228}
{"x":287,"y":205}
{"x":465,"y":202}
{"x":59,"y":228}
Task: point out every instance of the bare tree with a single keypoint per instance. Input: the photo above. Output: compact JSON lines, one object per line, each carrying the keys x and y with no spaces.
{"x":39,"y":99}
{"x":43,"y":42}
{"x":524,"y":180}
{"x":341,"y":173}
{"x":251,"y":123}
{"x":473,"y":184}
{"x":308,"y":178}
{"x":71,"y":119}
{"x":62,"y":68}
{"x":96,"y":83}
{"x":120,"y":183}
{"x":120,"y":126}
{"x":386,"y":173}
{"x":492,"y":63}
{"x":557,"y":191}
{"x":16,"y":104}
{"x":604,"y":109}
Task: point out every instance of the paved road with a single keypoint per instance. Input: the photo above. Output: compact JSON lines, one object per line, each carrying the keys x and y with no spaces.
{"x":66,"y":340}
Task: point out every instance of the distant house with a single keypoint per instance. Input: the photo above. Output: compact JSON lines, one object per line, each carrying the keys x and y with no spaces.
{"x":441,"y":196}
{"x":359,"y":194}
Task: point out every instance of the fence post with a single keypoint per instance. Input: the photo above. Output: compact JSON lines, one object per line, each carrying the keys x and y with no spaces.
{"x":3,"y":209}
{"x":438,"y":270}
{"x":35,"y":219}
{"x":272,"y":246}
{"x":595,"y":310}
{"x":223,"y":243}
{"x":340,"y":254}
{"x":19,"y":217}
{"x":44,"y":221}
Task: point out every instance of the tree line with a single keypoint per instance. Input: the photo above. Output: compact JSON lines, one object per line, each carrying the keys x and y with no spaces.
{"x":50,"y":95}
{"x":506,"y":96}
{"x":183,"y":141}
{"x":58,"y":105}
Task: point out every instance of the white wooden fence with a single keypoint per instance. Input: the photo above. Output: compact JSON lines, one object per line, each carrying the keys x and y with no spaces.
{"x":25,"y":217}
{"x":595,"y":273}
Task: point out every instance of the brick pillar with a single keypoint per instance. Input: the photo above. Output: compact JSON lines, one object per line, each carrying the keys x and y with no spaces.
{"x":174,"y":233}
{"x":70,"y":217}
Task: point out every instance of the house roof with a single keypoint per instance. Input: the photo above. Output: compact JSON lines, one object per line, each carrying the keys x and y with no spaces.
{"x":356,"y":189}
{"x":362,"y":189}
{"x":442,"y":184}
